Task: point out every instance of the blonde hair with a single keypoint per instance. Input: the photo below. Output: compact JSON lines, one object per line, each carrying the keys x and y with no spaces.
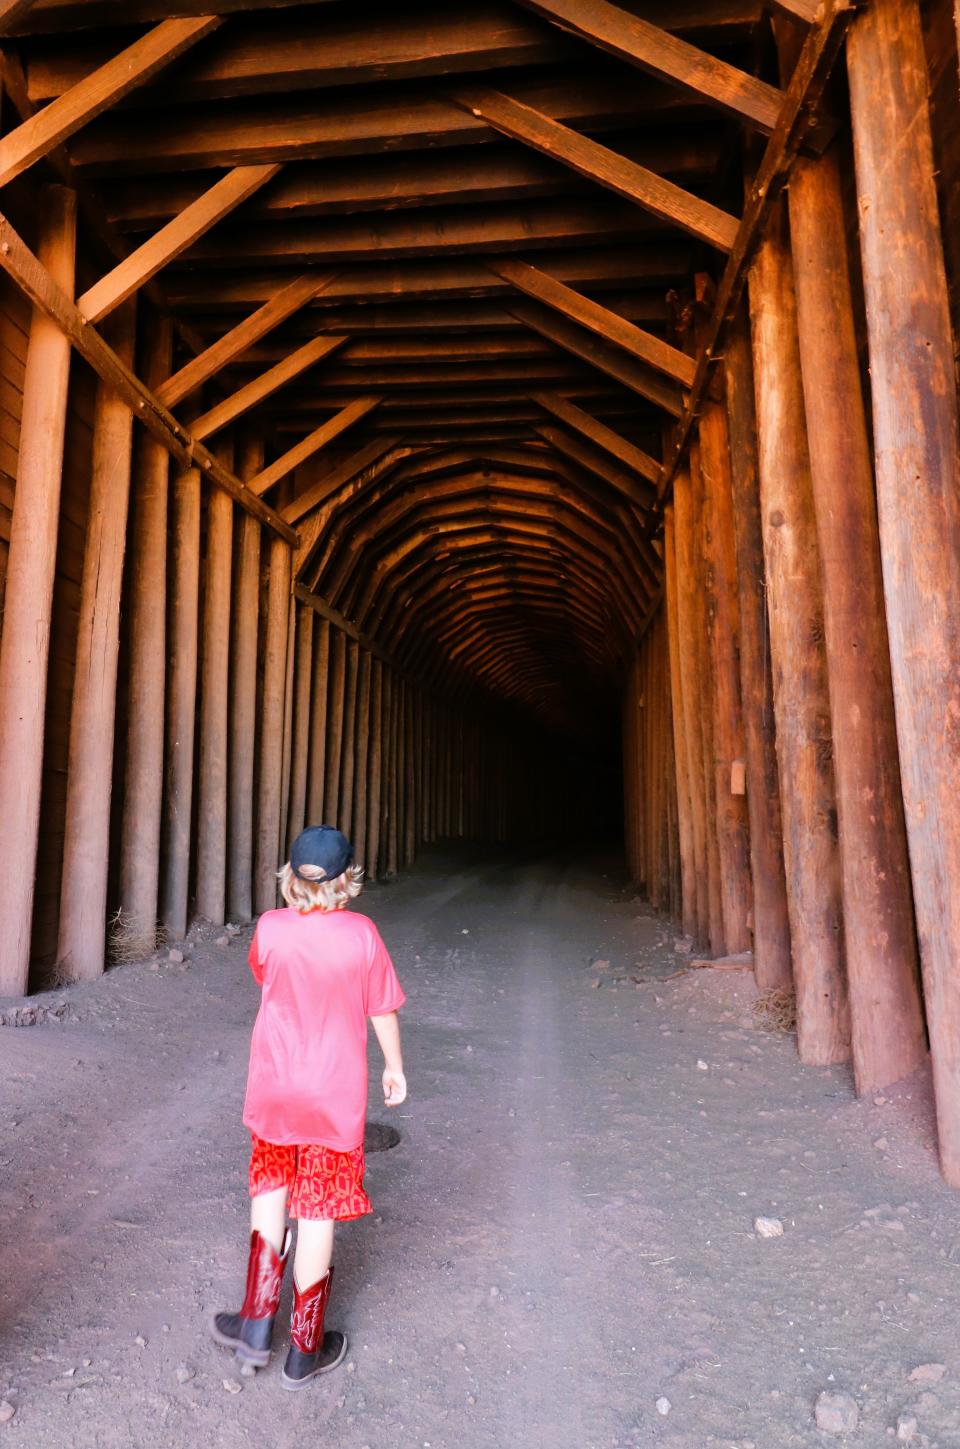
{"x":305,"y":892}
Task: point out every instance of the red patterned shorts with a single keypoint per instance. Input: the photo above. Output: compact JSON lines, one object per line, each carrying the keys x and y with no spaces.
{"x":323,"y":1184}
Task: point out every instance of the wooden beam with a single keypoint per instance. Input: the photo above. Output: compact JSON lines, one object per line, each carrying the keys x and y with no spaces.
{"x":712,"y":82}
{"x":34,"y":280}
{"x":329,"y":483}
{"x":65,"y":116}
{"x":596,"y":432}
{"x":643,"y":345}
{"x":662,"y":198}
{"x":173,"y":239}
{"x":316,"y":440}
{"x":798,"y":120}
{"x":11,"y":11}
{"x":287,"y":299}
{"x":265,"y":385}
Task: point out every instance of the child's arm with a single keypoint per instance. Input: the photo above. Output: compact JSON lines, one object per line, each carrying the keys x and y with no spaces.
{"x":387,"y":1029}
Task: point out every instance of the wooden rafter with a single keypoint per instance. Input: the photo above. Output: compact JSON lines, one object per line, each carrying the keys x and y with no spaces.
{"x":173,"y":239}
{"x":662,"y":198}
{"x":320,"y":438}
{"x":65,"y":116}
{"x":596,"y":432}
{"x":35,"y":282}
{"x":666,"y":56}
{"x":643,"y":345}
{"x":330,"y":483}
{"x":593,"y":460}
{"x":11,"y":11}
{"x":265,"y":385}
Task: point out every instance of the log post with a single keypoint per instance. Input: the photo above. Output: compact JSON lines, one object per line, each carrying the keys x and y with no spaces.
{"x":688,"y":889}
{"x":316,"y":780}
{"x":300,"y":752}
{"x":375,"y":790}
{"x":136,"y":928}
{"x":28,"y":600}
{"x":335,"y":710}
{"x":270,"y":780}
{"x":181,"y":701}
{"x":243,"y":696}
{"x":86,"y":848}
{"x":411,"y":816}
{"x":888,"y":1034}
{"x":361,"y":755}
{"x":211,"y":890}
{"x":286,"y":755}
{"x":394,"y":770}
{"x":348,"y":756}
{"x":704,"y":606}
{"x":771,"y":925}
{"x":917,"y":452}
{"x":801,"y":702}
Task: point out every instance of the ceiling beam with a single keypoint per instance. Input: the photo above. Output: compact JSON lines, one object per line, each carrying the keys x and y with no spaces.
{"x":264,"y":386}
{"x":173,"y":239}
{"x":319,"y":438}
{"x":11,"y":11}
{"x":34,"y":138}
{"x":662,"y":198}
{"x":38,"y":286}
{"x":596,"y":318}
{"x":667,"y":57}
{"x":596,"y":432}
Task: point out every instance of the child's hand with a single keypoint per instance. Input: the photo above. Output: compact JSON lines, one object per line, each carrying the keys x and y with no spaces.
{"x":394,"y":1087}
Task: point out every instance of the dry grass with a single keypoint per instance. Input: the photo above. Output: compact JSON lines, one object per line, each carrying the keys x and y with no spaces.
{"x":776,"y":1010}
{"x":128,"y":942}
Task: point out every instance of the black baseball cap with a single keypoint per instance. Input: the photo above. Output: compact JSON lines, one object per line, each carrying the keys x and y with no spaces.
{"x":322,"y":846}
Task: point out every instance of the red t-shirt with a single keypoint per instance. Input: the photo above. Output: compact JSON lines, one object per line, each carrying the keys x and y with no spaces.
{"x":322,"y":975}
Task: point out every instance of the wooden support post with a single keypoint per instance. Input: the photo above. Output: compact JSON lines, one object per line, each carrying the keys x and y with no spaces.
{"x":688,"y":891}
{"x":214,"y":708}
{"x":888,"y":1034}
{"x":691,"y":689}
{"x":181,"y":701}
{"x":771,"y":925}
{"x":335,"y":711}
{"x":316,"y":779}
{"x":286,"y":758}
{"x":361,"y":757}
{"x":917,"y":451}
{"x":704,"y":604}
{"x":301,"y":745}
{"x":269,"y":784}
{"x":86,"y":849}
{"x":376,"y":758}
{"x":243,"y":697}
{"x":140,"y":834}
{"x":348,"y":753}
{"x":393,"y":774}
{"x":801,"y":703}
{"x":28,"y":599}
{"x":411,"y":814}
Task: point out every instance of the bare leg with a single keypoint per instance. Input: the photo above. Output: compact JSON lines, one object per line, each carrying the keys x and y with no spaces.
{"x":268,"y":1216}
{"x":314,"y":1251}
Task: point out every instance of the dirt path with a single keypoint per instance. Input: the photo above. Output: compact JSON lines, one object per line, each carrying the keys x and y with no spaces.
{"x":563,"y":1237}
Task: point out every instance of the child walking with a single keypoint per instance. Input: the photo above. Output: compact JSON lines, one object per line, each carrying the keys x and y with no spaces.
{"x":324,"y":971}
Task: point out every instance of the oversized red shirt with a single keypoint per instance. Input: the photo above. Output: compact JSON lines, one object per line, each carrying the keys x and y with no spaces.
{"x":322,"y":974}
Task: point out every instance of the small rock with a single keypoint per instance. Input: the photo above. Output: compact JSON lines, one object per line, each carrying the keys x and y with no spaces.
{"x":664,"y":1405}
{"x":7,"y":1411}
{"x":224,"y":941}
{"x":836,"y":1413}
{"x":465,"y":932}
{"x":176,"y":956}
{"x":595,"y":983}
{"x":928,"y":1373}
{"x":87,"y":1362}
{"x":140,"y":1341}
{"x":351,"y":1368}
{"x":768,"y":1227}
{"x":471,"y":1400}
{"x":233,"y":929}
{"x":461,"y":1348}
{"x":231,"y":1386}
{"x":601,"y":965}
{"x":881,"y":1144}
{"x":702,"y":1066}
{"x":906,"y":1429}
{"x":879,"y":1101}
{"x":185,"y":1373}
{"x":154,"y":965}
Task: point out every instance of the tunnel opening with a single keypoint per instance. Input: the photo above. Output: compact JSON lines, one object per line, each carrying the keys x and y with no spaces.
{"x":431,"y":422}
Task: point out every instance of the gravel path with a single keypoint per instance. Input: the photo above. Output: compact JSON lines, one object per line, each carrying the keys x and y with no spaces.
{"x":563,"y":1238}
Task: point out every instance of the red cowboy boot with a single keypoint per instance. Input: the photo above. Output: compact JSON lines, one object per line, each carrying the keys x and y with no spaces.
{"x":250,"y":1332}
{"x":312,"y":1351}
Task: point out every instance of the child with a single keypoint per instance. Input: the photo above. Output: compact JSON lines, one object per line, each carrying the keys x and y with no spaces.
{"x":323,"y":971}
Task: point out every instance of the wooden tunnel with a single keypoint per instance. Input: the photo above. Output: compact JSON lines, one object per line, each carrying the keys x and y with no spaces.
{"x":419,"y":419}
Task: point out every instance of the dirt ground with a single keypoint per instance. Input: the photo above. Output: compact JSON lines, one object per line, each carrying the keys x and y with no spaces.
{"x":563,"y":1237}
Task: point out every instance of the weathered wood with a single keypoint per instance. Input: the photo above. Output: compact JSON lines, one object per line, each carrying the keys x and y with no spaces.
{"x":662,"y":198}
{"x":28,"y":594}
{"x":287,"y":299}
{"x":341,"y":473}
{"x":702,"y":606}
{"x":771,"y":925}
{"x":667,"y":57}
{"x":888,"y":1034}
{"x":335,"y":708}
{"x":173,"y":239}
{"x":140,"y":831}
{"x":692,"y":695}
{"x":182,"y":656}
{"x":596,"y":432}
{"x":316,"y":780}
{"x":36,"y":137}
{"x":349,"y":742}
{"x":681,"y":764}
{"x":394,"y":773}
{"x":268,"y":846}
{"x":320,"y":438}
{"x":608,"y":325}
{"x":212,"y":774}
{"x":286,"y":752}
{"x":11,"y":11}
{"x":265,"y":385}
{"x":86,"y":849}
{"x":800,"y":693}
{"x":243,"y":697}
{"x":917,"y":447}
{"x":595,"y":461}
{"x":302,"y":743}
{"x":362,"y":730}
